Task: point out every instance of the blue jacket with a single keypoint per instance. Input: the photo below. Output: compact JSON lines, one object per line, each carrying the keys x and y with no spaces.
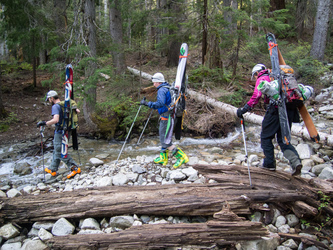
{"x":163,"y":99}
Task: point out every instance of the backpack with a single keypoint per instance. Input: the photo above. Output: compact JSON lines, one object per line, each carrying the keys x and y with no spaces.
{"x":178,"y":100}
{"x":73,"y":117}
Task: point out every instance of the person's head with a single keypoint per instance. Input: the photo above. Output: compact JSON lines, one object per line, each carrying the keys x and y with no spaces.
{"x":256,"y":70}
{"x":158,"y":79}
{"x":51,"y":96}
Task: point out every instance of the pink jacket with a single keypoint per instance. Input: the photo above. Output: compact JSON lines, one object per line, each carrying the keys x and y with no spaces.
{"x":262,"y":76}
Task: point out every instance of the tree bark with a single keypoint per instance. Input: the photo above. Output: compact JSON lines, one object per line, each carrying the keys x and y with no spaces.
{"x":117,"y":37}
{"x":277,"y":5}
{"x":321,"y":29}
{"x":217,"y":232}
{"x":300,"y":131}
{"x":90,"y":87}
{"x":232,"y":189}
{"x":3,"y":112}
{"x":204,"y":32}
{"x":300,"y":16}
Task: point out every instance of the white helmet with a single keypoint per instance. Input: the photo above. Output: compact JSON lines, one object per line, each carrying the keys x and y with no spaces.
{"x":158,"y":77}
{"x":51,"y":93}
{"x":258,"y":67}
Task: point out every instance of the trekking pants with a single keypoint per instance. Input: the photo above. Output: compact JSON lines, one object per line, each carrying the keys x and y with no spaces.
{"x":270,"y":128}
{"x":162,"y":130}
{"x":57,"y":141}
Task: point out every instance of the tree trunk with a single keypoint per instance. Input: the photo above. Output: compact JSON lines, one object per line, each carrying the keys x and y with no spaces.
{"x":218,"y":232}
{"x":90,"y":86}
{"x":277,"y":5}
{"x":3,"y":113}
{"x":204,"y":32}
{"x":320,"y":32}
{"x":300,"y":16}
{"x":249,"y":117}
{"x":118,"y":55}
{"x":232,"y":189}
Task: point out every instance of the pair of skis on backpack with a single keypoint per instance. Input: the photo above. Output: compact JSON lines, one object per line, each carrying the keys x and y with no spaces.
{"x":276,"y":61}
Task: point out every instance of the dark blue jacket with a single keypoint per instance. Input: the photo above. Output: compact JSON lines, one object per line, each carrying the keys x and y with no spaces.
{"x":163,"y":99}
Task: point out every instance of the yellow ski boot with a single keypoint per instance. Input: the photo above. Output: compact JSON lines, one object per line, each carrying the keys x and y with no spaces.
{"x":181,"y":157}
{"x":163,"y":158}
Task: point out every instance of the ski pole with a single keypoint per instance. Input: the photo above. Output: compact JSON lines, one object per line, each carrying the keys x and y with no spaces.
{"x":145,"y":126}
{"x":128,"y":134}
{"x":246,"y":156}
{"x":41,"y":130}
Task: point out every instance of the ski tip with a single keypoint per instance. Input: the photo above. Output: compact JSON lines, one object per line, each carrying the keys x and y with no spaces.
{"x":69,"y":66}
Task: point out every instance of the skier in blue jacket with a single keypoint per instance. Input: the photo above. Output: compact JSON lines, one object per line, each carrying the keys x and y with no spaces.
{"x":162,"y":103}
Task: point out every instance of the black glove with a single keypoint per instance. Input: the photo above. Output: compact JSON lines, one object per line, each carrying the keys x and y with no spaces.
{"x":242,"y":111}
{"x":41,"y":123}
{"x":144,"y":102}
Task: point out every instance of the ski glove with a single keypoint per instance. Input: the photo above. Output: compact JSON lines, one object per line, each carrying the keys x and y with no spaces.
{"x":144,"y":102}
{"x":242,"y":111}
{"x":41,"y":123}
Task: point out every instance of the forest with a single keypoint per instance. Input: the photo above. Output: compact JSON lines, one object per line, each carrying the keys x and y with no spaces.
{"x":101,"y":38}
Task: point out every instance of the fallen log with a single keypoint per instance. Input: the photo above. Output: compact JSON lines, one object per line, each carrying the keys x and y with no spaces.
{"x":223,"y":230}
{"x":164,"y":200}
{"x":300,"y":131}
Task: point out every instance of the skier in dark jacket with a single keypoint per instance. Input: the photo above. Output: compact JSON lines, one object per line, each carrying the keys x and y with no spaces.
{"x":162,"y":103}
{"x":57,"y":120}
{"x":271,"y":125}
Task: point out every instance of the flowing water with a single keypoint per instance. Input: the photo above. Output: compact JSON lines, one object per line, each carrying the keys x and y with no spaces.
{"x":200,"y":148}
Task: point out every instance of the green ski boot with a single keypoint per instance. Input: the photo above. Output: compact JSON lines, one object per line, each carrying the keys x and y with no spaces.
{"x":163,"y":158}
{"x":181,"y":157}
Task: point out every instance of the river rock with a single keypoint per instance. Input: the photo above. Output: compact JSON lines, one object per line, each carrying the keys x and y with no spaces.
{"x":138,"y":169}
{"x":90,"y":231}
{"x":13,"y":193}
{"x":189,"y":171}
{"x":304,"y":151}
{"x":292,"y":220}
{"x":62,"y":227}
{"x":326,"y":174}
{"x":104,"y":181}
{"x":120,"y":179}
{"x":284,"y":229}
{"x":46,"y":225}
{"x":326,"y":152}
{"x":265,"y":243}
{"x":319,"y":168}
{"x":96,"y":162}
{"x":34,"y":244}
{"x":177,"y":175}
{"x":90,"y":223}
{"x":9,"y":231}
{"x":2,"y":194}
{"x":121,"y":222}
{"x":22,"y":168}
{"x":290,"y":243}
{"x":280,"y":220}
{"x":44,"y":234}
{"x":11,"y":246}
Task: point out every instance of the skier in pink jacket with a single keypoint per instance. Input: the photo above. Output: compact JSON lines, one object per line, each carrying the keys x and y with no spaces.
{"x":271,"y":125}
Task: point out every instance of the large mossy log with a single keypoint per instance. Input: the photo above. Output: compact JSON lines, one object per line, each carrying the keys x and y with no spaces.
{"x":232,"y":188}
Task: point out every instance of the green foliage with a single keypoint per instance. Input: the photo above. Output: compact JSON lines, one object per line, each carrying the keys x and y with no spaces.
{"x":235,"y":98}
{"x":311,"y":70}
{"x":10,"y":120}
{"x":324,"y":200}
{"x":203,"y":73}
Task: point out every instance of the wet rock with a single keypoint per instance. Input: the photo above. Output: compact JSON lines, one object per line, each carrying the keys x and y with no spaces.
{"x":9,"y":231}
{"x":62,"y":227}
{"x":96,"y":162}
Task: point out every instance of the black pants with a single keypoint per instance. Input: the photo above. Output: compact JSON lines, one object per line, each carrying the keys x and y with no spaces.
{"x":270,"y":128}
